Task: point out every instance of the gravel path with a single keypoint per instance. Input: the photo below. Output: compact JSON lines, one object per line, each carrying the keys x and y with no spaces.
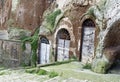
{"x":20,"y":76}
{"x":70,"y":72}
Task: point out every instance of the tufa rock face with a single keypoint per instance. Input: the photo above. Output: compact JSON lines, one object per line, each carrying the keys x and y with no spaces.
{"x":107,"y":16}
{"x":22,"y":13}
{"x":18,"y":34}
{"x":5,"y":10}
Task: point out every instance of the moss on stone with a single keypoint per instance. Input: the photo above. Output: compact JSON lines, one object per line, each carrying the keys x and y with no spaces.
{"x":50,"y":22}
{"x":100,"y":65}
{"x":17,"y":33}
{"x":51,"y":19}
{"x":102,"y":4}
{"x":90,"y":12}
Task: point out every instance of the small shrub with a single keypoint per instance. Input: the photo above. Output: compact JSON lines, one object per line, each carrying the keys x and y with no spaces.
{"x":53,"y":74}
{"x":87,"y":66}
{"x":42,"y":72}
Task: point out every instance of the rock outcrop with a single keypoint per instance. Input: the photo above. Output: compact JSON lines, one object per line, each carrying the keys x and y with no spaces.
{"x":28,"y":15}
{"x":107,"y":16}
{"x":60,"y":9}
{"x":21,"y":14}
{"x":105,"y":12}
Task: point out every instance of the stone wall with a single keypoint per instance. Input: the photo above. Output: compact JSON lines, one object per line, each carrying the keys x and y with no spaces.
{"x":12,"y":55}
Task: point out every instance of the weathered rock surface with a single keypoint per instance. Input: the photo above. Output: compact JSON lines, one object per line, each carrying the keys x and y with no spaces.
{"x":3,"y":34}
{"x":106,"y":14}
{"x":22,"y":13}
{"x":100,"y":65}
{"x":18,"y":34}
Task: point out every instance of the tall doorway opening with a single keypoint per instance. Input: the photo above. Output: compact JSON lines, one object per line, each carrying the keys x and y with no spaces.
{"x":44,"y":51}
{"x":63,"y":44}
{"x":87,"y":40}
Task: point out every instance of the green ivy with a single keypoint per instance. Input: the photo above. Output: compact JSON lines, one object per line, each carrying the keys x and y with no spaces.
{"x":90,"y":11}
{"x":34,"y":46}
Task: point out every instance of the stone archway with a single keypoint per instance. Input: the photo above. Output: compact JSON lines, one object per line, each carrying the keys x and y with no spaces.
{"x":63,"y":44}
{"x":44,"y":51}
{"x":87,"y":40}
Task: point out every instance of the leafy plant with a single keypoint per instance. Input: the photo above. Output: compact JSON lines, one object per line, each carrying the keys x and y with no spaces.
{"x":53,"y":74}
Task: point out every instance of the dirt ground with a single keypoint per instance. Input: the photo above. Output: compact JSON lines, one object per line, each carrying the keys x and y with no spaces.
{"x":70,"y":72}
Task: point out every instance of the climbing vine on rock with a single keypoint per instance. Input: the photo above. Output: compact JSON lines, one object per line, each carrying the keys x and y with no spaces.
{"x":51,"y":18}
{"x":34,"y":46}
{"x":50,"y":22}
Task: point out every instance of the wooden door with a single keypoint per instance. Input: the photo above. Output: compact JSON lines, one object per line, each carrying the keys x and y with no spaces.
{"x":44,"y":53}
{"x":88,"y":41}
{"x":63,"y":49}
{"x":63,"y":45}
{"x":88,"y":44}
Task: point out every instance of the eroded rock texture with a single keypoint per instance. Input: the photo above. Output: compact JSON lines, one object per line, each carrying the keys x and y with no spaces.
{"x":107,"y":16}
{"x":25,"y":14}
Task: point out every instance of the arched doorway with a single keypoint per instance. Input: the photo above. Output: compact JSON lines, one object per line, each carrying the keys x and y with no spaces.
{"x":63,"y":44}
{"x":87,"y":40}
{"x":44,"y":51}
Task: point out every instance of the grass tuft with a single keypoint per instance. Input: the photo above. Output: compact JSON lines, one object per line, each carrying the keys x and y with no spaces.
{"x":42,"y":72}
{"x":53,"y":74}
